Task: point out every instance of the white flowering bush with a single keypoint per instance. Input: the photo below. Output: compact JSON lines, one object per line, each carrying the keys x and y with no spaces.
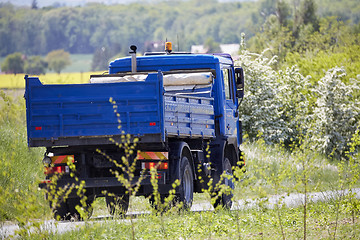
{"x":294,"y":94}
{"x":261,"y":108}
{"x":336,"y":113}
{"x":275,"y":103}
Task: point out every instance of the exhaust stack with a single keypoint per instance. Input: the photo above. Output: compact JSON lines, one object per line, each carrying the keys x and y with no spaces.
{"x":133,"y":58}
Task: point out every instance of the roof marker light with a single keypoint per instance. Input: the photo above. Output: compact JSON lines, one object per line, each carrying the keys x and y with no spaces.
{"x":168,"y":47}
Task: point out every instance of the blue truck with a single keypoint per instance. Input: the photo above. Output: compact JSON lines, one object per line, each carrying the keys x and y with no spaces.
{"x":176,"y":112}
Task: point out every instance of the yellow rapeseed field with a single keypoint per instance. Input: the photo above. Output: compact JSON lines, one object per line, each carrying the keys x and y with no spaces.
{"x":11,"y":81}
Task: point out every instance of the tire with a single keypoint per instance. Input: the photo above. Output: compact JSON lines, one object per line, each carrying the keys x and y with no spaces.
{"x":225,"y":200}
{"x":161,"y":207}
{"x":118,"y":205}
{"x":66,"y":210}
{"x":61,"y":211}
{"x":186,"y":188}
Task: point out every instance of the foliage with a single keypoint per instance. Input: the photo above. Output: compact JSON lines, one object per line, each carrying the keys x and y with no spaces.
{"x":305,"y":35}
{"x":35,"y":65}
{"x":14,"y":63}
{"x":336,"y":114}
{"x":275,"y":37}
{"x":276,"y":103}
{"x":58,"y":60}
{"x":308,"y":14}
{"x":116,"y":27}
{"x":100,"y":60}
{"x":278,"y":25}
{"x":34,"y":4}
{"x":85,"y":29}
{"x":20,"y":167}
{"x":271,"y":171}
{"x":261,"y":109}
{"x":294,"y":92}
{"x":211,"y":46}
{"x":316,"y":64}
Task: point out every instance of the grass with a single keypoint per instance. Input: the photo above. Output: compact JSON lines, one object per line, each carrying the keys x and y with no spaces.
{"x":267,"y":162}
{"x":246,"y":224}
{"x":79,"y":63}
{"x":20,"y":167}
{"x":270,"y":170}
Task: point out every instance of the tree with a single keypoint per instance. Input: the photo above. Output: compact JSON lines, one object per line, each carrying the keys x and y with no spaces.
{"x":58,"y":60}
{"x":275,"y":37}
{"x":14,"y":63}
{"x":35,"y":65}
{"x":308,"y":14}
{"x":34,"y":4}
{"x":282,"y":12}
{"x":100,"y":61}
{"x":211,"y":46}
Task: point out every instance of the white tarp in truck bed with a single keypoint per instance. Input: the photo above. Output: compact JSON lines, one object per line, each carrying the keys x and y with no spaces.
{"x":199,"y":84}
{"x":168,"y":79}
{"x":128,"y":78}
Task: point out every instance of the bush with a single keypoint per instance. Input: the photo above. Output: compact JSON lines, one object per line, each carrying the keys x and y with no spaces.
{"x":336,"y":115}
{"x":275,"y":103}
{"x":35,"y":65}
{"x":295,"y":100}
{"x":14,"y":63}
{"x":261,"y":109}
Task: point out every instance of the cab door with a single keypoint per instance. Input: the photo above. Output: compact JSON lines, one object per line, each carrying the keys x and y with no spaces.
{"x":231,"y":116}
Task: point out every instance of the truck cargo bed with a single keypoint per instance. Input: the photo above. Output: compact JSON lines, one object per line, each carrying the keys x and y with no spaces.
{"x":82,"y":114}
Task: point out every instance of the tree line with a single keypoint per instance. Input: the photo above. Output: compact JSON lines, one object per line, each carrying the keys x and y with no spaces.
{"x":93,"y":27}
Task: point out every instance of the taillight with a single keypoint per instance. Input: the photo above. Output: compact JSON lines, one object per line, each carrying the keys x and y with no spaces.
{"x":157,"y":165}
{"x":57,"y":169}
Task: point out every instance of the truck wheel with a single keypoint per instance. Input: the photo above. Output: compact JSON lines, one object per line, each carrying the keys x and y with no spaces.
{"x":66,"y":210}
{"x":225,"y":199}
{"x":161,"y":206}
{"x":186,"y":188}
{"x":118,"y":204}
{"x":61,"y":211}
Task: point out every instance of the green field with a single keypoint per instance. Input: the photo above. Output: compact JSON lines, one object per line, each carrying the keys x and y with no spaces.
{"x":79,"y":63}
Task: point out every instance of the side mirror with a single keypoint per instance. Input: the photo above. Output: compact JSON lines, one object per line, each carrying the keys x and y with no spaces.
{"x":239,"y":75}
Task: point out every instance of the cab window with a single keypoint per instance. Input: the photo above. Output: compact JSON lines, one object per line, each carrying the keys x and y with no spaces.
{"x":227,"y":75}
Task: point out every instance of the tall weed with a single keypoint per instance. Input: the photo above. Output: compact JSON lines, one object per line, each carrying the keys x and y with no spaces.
{"x":20,"y":167}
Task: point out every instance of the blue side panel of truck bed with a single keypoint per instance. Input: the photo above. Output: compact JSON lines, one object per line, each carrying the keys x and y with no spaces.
{"x":81,"y":110}
{"x":189,"y":116}
{"x":71,"y":114}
